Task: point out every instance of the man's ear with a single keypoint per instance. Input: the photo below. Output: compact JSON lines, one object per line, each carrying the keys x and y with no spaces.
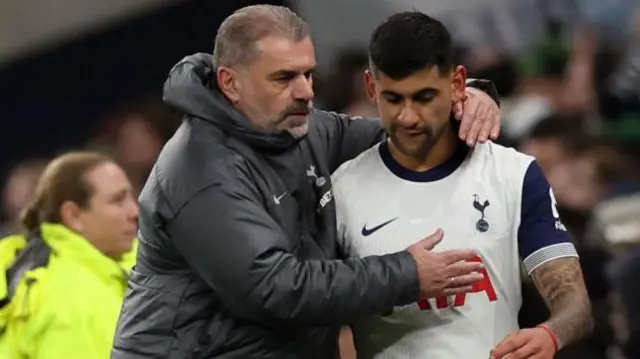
{"x":370,"y":83}
{"x":70,"y":216}
{"x":458,"y":84}
{"x":227,"y":81}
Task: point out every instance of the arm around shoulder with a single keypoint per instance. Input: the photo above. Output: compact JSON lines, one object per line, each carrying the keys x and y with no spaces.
{"x":227,"y":236}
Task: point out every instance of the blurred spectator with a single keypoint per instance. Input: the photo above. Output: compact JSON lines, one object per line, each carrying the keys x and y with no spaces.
{"x":343,"y":88}
{"x":554,"y":139}
{"x":583,"y":181}
{"x":62,"y":294}
{"x":134,"y":135}
{"x":17,"y":193}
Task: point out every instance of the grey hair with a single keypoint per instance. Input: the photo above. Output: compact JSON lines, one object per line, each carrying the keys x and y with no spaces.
{"x":238,"y":34}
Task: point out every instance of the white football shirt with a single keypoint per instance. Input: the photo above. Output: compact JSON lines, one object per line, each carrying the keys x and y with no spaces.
{"x":492,"y":199}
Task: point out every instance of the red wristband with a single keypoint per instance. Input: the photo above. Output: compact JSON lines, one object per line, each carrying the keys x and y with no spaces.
{"x":554,"y":337}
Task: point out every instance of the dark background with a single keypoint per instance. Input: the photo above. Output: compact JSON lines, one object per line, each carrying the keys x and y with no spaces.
{"x":51,"y":101}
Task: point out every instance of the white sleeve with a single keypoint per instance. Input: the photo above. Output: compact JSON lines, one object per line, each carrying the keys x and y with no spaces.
{"x":342,"y":217}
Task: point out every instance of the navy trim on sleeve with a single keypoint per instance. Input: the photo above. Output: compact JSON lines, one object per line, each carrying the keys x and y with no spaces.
{"x":541,"y":236}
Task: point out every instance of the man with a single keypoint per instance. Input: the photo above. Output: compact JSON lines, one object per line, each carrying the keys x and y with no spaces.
{"x":17,"y":193}
{"x":238,"y":255}
{"x":491,"y":199}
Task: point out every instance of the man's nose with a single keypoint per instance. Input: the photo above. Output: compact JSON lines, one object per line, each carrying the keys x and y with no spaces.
{"x":303,"y":89}
{"x":408,"y":116}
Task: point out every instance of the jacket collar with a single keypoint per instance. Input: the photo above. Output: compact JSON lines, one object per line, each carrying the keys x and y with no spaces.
{"x":68,"y":244}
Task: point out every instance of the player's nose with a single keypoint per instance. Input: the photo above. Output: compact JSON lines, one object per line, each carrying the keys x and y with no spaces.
{"x":408,"y":117}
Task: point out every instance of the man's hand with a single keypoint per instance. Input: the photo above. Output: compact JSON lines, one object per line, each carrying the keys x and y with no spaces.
{"x":480,"y":117}
{"x":535,"y":343}
{"x":444,"y":273}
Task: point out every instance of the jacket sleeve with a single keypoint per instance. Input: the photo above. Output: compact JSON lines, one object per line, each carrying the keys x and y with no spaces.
{"x":226,"y":235}
{"x":346,"y":137}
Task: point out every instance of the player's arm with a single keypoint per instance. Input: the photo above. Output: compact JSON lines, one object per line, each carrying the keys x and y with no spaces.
{"x":551,"y":259}
{"x":561,"y":285}
{"x":345,"y":137}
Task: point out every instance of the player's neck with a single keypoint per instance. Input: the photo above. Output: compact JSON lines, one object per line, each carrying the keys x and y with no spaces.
{"x":442,"y":151}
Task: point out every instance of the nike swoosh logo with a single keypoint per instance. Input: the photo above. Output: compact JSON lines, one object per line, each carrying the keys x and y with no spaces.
{"x":369,"y":231}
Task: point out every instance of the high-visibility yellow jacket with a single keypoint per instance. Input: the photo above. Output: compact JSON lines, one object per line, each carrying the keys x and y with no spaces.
{"x":67,"y":298}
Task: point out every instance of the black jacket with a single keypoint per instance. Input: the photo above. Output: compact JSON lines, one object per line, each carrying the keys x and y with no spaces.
{"x":238,"y":255}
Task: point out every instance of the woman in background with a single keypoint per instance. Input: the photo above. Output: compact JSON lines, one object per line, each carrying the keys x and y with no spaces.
{"x":64,"y":289}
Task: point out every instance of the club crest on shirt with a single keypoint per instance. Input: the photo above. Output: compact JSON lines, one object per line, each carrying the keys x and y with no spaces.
{"x":481,"y":225}
{"x":312,"y":174}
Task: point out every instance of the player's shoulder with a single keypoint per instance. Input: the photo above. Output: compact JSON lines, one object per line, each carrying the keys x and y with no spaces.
{"x":501,"y":158}
{"x":354,"y":167}
{"x":353,"y":170}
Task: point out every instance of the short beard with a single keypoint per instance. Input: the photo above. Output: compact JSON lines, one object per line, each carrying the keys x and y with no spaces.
{"x":300,"y":131}
{"x":423,"y":151}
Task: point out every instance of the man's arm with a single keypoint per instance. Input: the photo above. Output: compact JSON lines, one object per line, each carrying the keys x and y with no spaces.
{"x":561,"y":285}
{"x":346,"y":137}
{"x":552,"y":260}
{"x":226,"y":235}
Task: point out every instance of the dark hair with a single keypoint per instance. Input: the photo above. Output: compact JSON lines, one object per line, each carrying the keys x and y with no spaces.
{"x":62,"y":180}
{"x":408,"y":42}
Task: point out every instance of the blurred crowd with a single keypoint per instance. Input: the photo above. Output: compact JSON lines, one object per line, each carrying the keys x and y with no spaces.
{"x":132,"y":134}
{"x":571,"y":99}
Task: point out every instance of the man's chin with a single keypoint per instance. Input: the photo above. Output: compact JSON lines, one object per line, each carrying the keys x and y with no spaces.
{"x":299,"y":131}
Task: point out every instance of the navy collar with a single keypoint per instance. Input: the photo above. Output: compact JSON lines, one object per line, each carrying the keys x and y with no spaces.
{"x":434,"y":174}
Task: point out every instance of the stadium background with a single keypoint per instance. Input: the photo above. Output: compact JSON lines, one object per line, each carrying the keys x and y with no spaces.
{"x":76,"y":74}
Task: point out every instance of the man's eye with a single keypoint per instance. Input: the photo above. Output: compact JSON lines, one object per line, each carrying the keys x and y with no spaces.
{"x":393,"y":100}
{"x":284,"y":79}
{"x":424,"y":99}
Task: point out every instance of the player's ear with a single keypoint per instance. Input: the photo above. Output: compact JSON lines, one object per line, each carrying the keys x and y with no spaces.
{"x":458,"y":84}
{"x":227,"y":82}
{"x":370,"y":83}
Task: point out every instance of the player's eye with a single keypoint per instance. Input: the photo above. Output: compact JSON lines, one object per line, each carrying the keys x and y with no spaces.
{"x":394,"y":100}
{"x":424,"y":99}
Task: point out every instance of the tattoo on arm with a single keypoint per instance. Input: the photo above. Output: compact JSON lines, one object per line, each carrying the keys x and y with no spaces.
{"x":561,"y":284}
